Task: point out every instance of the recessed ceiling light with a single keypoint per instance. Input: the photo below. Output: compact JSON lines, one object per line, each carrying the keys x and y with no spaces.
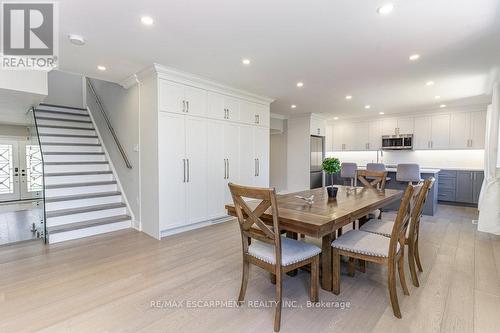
{"x":101,"y":68}
{"x":442,"y":106}
{"x":348,"y":97}
{"x":147,"y":20}
{"x":245,"y":62}
{"x":414,"y":57}
{"x":437,"y":97}
{"x":381,"y":113}
{"x":300,"y":84}
{"x":335,"y":118}
{"x":385,"y":9}
{"x":429,"y":83}
{"x":293,"y":106}
{"x":368,"y":106}
{"x":76,"y":40}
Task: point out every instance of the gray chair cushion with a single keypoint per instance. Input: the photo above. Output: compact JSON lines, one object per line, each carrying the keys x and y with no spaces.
{"x":292,"y":251}
{"x":408,"y":173}
{"x":348,"y":170}
{"x":381,"y":227}
{"x":364,"y":243}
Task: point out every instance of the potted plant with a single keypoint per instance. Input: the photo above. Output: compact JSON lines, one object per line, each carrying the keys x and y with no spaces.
{"x":331,"y":166}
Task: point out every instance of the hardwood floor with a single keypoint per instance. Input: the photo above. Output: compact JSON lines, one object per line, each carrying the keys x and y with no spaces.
{"x":108,"y":282}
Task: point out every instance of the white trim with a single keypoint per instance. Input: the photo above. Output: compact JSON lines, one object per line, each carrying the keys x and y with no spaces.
{"x":129,"y":82}
{"x":198,"y":225}
{"x":278,"y":116}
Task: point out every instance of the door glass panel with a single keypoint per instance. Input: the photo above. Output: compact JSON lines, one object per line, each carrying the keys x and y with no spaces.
{"x":6,"y":170}
{"x":34,"y":168}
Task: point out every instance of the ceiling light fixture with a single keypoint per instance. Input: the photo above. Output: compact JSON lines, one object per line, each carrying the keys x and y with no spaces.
{"x":101,"y":68}
{"x":147,"y":20}
{"x":76,"y":40}
{"x":414,"y":57}
{"x":437,"y":97}
{"x":442,"y":106}
{"x":293,"y":106}
{"x":245,"y":62}
{"x":300,"y":84}
{"x":381,"y":113}
{"x":385,"y":9}
{"x":348,"y":97}
{"x":368,"y":106}
{"x":429,"y":83}
{"x":335,"y":118}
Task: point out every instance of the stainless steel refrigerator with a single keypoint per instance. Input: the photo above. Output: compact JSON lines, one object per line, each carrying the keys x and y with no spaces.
{"x":317,"y":157}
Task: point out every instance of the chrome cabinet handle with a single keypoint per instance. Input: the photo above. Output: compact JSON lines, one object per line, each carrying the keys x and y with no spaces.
{"x":184,"y":169}
{"x":258,"y":167}
{"x":225,"y":169}
{"x":227,"y":159}
{"x":187,"y":110}
{"x":255,"y":167}
{"x":183,"y":106}
{"x":188,"y":170}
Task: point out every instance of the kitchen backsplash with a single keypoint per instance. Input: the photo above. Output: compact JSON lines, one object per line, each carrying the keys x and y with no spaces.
{"x":472,"y":159}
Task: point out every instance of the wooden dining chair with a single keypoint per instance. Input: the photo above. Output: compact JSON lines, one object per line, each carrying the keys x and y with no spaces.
{"x":372,"y":179}
{"x":378,"y":249}
{"x":384,"y":227}
{"x":268,"y":249}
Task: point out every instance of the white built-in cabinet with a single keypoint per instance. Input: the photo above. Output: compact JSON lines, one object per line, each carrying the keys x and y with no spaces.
{"x":455,"y":130}
{"x":207,"y":136}
{"x":318,"y":126}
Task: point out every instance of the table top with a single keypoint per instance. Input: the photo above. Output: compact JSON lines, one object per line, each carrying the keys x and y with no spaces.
{"x":326,"y":214}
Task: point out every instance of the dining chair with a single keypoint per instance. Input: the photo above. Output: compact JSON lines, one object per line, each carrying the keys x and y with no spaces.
{"x":267,"y":248}
{"x":378,"y":249}
{"x":384,"y":227}
{"x":372,"y":179}
{"x":408,"y":172}
{"x":377,"y":167}
{"x":348,"y":171}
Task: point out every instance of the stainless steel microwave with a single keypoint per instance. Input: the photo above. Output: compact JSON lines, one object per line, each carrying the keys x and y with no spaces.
{"x":397,"y":142}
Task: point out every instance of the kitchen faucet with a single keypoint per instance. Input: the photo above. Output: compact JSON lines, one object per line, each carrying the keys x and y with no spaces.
{"x":381,"y":156}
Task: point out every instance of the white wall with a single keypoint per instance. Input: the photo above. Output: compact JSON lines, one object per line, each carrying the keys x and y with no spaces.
{"x":66,"y":89}
{"x":298,"y":154}
{"x":33,"y":82}
{"x":13,"y":130}
{"x":278,"y":162}
{"x":122,"y":107}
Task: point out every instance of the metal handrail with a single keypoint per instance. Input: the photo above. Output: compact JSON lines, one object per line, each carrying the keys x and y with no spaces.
{"x":101,"y":107}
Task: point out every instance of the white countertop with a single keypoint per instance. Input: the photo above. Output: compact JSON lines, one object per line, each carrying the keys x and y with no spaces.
{"x":422,"y":170}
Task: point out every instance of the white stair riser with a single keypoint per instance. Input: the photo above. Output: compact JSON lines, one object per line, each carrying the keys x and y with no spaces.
{"x":80,"y":233}
{"x":76,"y":179}
{"x":73,"y":218}
{"x":51,"y":206}
{"x":76,"y":168}
{"x":49,"y":130}
{"x":62,"y":116}
{"x":58,"y":192}
{"x":56,"y":139}
{"x":82,"y":149}
{"x":42,"y":122}
{"x":74,"y":158}
{"x":56,"y":108}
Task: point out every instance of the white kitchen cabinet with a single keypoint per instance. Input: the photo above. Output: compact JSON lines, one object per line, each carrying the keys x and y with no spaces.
{"x":396,"y":126}
{"x":318,"y":127}
{"x":262,"y":114}
{"x":478,"y":129}
{"x":261,"y":153}
{"x":389,"y":126}
{"x":329,"y":138}
{"x":440,"y":131}
{"x":223,"y":107}
{"x":338,"y":137}
{"x":460,"y":129}
{"x":405,"y":125}
{"x":361,"y":140}
{"x":232,"y":156}
{"x":344,"y":136}
{"x":374,"y":135}
{"x":423,"y":135}
{"x":247,"y":156}
{"x":179,"y":98}
{"x":254,"y":114}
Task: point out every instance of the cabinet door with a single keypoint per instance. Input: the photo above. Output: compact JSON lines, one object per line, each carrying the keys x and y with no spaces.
{"x":247,"y":112}
{"x":248,"y":163}
{"x":172,"y":171}
{"x":232,"y":155}
{"x":263,"y":114}
{"x":440,"y":132}
{"x":477,"y":185}
{"x":171,"y":97}
{"x":196,"y":168}
{"x":375,"y":135}
{"x":389,"y":126}
{"x":478,"y":129}
{"x":422,"y":136}
{"x":464,"y":186}
{"x":361,"y":140}
{"x":349,"y":136}
{"x":337,"y":137}
{"x":460,"y":130}
{"x":216,"y":169}
{"x":329,"y":138}
{"x":232,"y":105}
{"x":216,"y":106}
{"x":196,"y":100}
{"x":405,"y":125}
{"x":262,"y":142}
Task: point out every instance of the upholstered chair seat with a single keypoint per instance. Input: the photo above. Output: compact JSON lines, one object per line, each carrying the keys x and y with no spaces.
{"x":362,"y":242}
{"x":292,"y":251}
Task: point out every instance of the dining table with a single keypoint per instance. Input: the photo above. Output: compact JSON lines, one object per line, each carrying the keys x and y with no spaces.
{"x":323,"y":217}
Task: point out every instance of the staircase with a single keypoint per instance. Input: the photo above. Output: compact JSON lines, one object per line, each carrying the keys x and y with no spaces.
{"x":82,"y":196}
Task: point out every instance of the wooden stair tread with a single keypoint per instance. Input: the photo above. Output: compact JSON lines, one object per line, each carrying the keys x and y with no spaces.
{"x":50,"y":187}
{"x":82,"y":196}
{"x":87,"y":224}
{"x":86,"y":209}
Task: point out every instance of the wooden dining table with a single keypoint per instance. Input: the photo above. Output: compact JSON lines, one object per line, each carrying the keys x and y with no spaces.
{"x":325,"y":216}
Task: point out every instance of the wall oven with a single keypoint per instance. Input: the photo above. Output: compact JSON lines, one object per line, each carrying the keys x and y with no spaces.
{"x":397,"y":142}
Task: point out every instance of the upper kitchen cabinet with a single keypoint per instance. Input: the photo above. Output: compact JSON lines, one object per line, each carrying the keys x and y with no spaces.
{"x":343,"y":136}
{"x":478,"y":130}
{"x":223,"y":107}
{"x":179,"y":98}
{"x":396,"y":126}
{"x":423,"y":134}
{"x":361,"y":140}
{"x":318,"y":126}
{"x":467,"y":130}
{"x":440,"y":125}
{"x":255,"y":114}
{"x":374,"y":135}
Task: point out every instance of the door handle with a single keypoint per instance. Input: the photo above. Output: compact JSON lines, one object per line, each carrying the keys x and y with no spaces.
{"x":258,"y":167}
{"x":184,"y":169}
{"x":225,"y":169}
{"x":255,"y":167}
{"x":227,"y":159}
{"x":183,"y":106}
{"x":188,"y":170}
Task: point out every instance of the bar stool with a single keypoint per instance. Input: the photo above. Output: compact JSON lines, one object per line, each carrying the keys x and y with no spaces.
{"x":408,"y":173}
{"x":348,"y":171}
{"x":377,"y":167}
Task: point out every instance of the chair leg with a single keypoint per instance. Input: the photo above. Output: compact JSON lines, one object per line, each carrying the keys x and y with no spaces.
{"x":314,"y":279}
{"x":335,"y":272}
{"x":401,"y":271}
{"x":411,"y":263}
{"x":244,"y":281}
{"x":272,"y":278}
{"x":351,"y":267}
{"x":391,"y":277}
{"x":417,"y":256}
{"x":277,"y":314}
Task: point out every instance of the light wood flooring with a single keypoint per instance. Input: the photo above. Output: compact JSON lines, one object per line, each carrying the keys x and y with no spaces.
{"x":107,"y":283}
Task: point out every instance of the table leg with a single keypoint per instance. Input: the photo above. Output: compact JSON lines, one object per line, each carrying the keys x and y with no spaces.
{"x":326,"y":261}
{"x":293,"y":235}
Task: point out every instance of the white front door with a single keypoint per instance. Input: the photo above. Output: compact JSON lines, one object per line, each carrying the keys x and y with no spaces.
{"x":9,"y":171}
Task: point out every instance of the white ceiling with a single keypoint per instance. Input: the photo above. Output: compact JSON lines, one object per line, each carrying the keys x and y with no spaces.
{"x":335,"y":47}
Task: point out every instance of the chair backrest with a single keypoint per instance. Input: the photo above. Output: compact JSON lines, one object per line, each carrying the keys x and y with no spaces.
{"x":416,"y":210}
{"x":248,"y":217}
{"x":372,"y":179}
{"x":348,"y":170}
{"x":375,"y":166}
{"x":402,"y":220}
{"x":409,"y":172}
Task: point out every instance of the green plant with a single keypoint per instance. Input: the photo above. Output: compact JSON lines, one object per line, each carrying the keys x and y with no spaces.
{"x":331,"y":166}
